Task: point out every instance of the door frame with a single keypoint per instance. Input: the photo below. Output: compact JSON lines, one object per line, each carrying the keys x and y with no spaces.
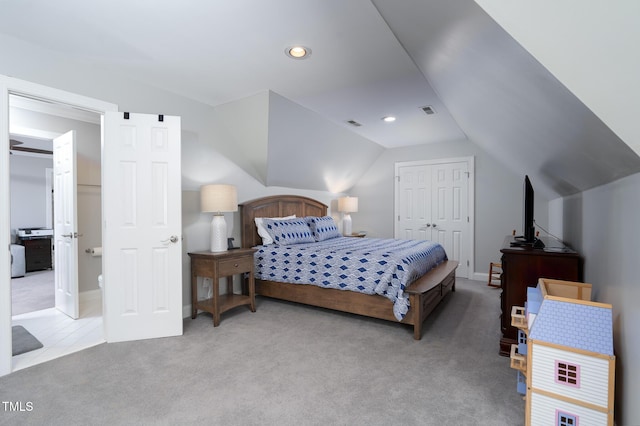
{"x":10,"y":85}
{"x":470,"y":195}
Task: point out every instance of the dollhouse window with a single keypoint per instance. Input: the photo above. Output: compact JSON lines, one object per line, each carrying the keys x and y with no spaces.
{"x":568,"y":374}
{"x":522,"y":337}
{"x":566,"y":419}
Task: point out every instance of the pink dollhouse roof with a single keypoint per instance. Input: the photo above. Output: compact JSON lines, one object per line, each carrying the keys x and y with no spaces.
{"x":574,"y":325}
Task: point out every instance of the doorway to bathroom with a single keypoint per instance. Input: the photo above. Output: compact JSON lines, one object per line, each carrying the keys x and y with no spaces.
{"x":33,"y":127}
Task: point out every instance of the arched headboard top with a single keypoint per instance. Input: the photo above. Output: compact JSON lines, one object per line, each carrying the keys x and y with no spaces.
{"x":274,"y":206}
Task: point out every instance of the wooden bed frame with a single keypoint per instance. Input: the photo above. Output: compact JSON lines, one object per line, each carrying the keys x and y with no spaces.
{"x":424,"y":294}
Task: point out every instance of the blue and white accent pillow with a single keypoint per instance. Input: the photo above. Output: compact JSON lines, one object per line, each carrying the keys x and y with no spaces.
{"x":262,"y":230}
{"x":323,"y":228}
{"x":289,"y":231}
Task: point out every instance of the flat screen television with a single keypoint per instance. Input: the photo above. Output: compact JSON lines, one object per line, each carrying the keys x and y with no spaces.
{"x":527,"y":222}
{"x":528,"y":227}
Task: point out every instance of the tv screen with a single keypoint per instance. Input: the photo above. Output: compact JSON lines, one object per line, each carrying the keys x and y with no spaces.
{"x":528,"y":223}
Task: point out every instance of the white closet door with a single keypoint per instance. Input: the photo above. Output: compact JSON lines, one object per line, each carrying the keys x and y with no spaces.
{"x":432,"y":203}
{"x":449,"y":210}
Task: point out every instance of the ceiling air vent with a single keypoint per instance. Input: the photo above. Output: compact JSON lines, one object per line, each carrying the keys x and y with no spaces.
{"x":354,"y":123}
{"x":428,"y":110}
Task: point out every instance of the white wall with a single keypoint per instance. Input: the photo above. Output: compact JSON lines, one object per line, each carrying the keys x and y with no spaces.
{"x":28,"y":191}
{"x":498,"y":197}
{"x":602,"y":224}
{"x":245,"y":144}
{"x":306,"y":150}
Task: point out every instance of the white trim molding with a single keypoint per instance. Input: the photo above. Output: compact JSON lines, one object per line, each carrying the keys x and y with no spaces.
{"x":13,"y":86}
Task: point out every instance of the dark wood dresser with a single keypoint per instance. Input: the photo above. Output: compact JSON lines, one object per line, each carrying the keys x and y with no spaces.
{"x":37,"y":253}
{"x":521,"y":268}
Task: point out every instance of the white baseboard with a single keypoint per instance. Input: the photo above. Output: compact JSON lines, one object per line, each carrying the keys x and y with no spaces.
{"x":481,"y":276}
{"x":186,"y":311}
{"x":90,"y":295}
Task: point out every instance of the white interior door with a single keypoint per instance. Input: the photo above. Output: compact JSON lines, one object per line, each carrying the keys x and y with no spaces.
{"x":142,"y":249}
{"x":414,"y":193}
{"x":433,"y":202}
{"x":65,"y":225}
{"x":449,"y":211}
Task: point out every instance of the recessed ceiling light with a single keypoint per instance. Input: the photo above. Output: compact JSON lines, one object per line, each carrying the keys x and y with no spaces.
{"x":389,"y":119}
{"x":298,"y":52}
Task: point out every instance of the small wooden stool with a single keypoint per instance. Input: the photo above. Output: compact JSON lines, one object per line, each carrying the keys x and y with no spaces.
{"x":495,"y":270}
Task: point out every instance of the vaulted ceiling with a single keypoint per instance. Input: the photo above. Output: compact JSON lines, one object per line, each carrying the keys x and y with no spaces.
{"x":369,"y":59}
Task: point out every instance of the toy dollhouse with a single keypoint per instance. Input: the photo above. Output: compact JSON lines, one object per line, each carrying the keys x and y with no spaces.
{"x":567,"y":361}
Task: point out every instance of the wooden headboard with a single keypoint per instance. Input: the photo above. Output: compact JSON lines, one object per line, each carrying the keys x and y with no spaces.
{"x":274,"y":206}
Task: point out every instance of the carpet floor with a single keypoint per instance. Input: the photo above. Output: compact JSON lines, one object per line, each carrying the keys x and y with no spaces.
{"x":33,"y":292}
{"x":287,"y":364}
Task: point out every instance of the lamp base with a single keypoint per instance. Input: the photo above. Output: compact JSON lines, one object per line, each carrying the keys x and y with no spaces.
{"x":346,"y":224}
{"x":218,"y":234}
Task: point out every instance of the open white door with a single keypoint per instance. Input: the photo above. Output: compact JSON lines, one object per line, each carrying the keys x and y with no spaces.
{"x":65,"y":223}
{"x":142,"y":223}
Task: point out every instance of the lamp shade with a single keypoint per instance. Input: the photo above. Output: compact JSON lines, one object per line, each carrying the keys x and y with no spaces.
{"x":218,"y":198}
{"x":348,"y":204}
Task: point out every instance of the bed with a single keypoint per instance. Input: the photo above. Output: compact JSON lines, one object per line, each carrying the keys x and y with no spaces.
{"x":422,"y":293}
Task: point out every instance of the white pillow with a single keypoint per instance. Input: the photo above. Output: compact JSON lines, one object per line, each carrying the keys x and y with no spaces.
{"x":262,"y":229}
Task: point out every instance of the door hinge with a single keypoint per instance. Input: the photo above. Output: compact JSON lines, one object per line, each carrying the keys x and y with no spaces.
{"x":467,"y":263}
{"x":398,"y":178}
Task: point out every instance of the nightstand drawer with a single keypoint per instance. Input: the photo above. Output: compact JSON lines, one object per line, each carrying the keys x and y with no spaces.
{"x":235,"y":266}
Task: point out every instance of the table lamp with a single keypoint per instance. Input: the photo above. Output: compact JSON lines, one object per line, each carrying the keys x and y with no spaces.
{"x":218,"y":198}
{"x":347,"y":205}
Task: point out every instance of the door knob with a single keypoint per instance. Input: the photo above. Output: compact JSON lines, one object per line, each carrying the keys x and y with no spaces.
{"x":434,"y":225}
{"x":428,"y":225}
{"x":172,"y":239}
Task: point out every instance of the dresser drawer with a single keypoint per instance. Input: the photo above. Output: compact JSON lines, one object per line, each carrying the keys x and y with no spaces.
{"x":37,"y":254}
{"x":235,"y":266}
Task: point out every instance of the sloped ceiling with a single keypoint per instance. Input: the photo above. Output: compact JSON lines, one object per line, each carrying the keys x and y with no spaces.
{"x":590,"y":57}
{"x":505,"y":100}
{"x":281,"y":143}
{"x":370,"y":59}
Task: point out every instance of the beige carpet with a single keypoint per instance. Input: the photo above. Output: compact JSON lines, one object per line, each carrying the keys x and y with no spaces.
{"x":287,"y":364}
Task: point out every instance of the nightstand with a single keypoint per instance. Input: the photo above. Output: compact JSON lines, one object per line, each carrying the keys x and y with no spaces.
{"x":357,"y":235}
{"x":215,"y":266}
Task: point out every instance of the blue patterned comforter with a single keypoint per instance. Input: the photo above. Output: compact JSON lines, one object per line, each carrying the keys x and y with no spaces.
{"x":366,"y":265}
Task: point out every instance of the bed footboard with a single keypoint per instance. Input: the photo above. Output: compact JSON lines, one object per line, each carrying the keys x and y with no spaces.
{"x":428,"y":291}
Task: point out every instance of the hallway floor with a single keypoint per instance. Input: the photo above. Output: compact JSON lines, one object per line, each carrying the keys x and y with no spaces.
{"x":60,"y":334}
